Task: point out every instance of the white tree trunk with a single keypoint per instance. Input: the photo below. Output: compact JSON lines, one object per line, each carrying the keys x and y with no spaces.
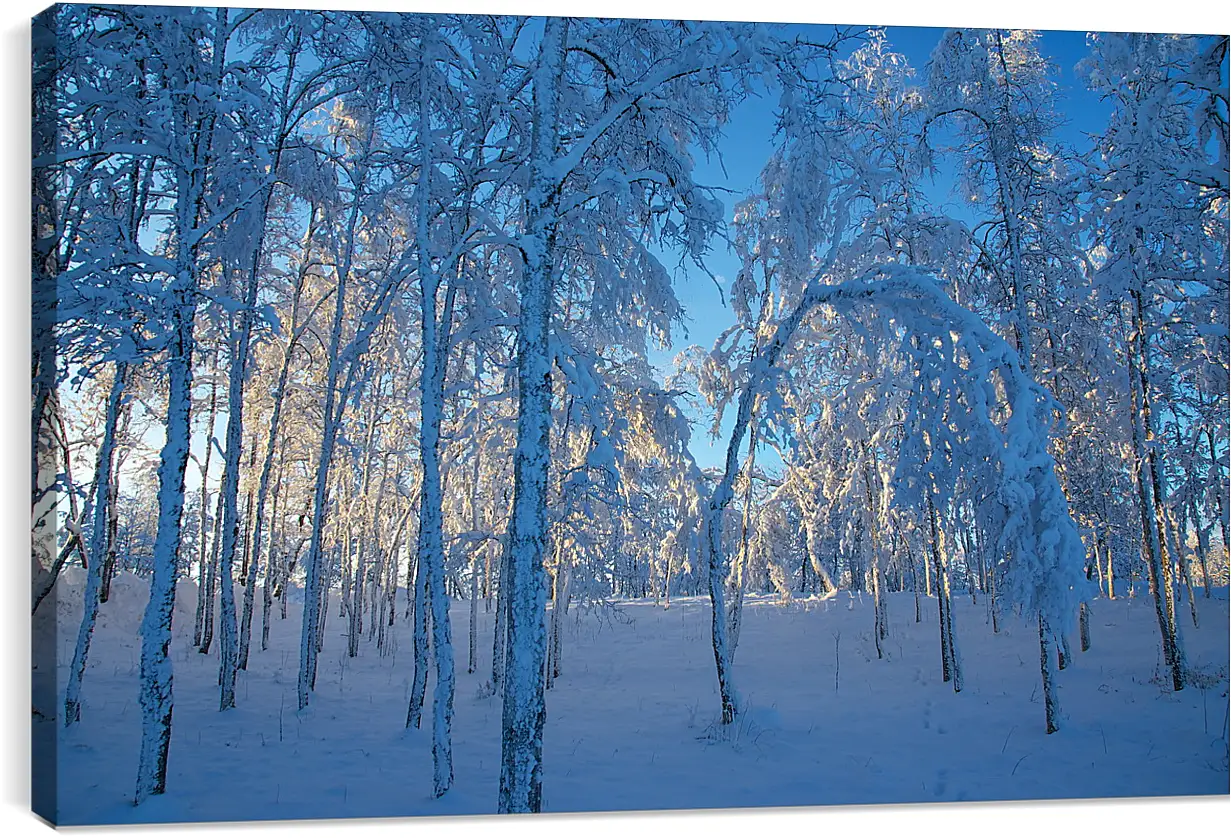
{"x":1051,"y":702}
{"x":472,"y":659}
{"x":419,"y":616}
{"x":521,"y":766}
{"x":431,"y":537}
{"x":1157,"y":562}
{"x":500,"y":623}
{"x":101,"y":518}
{"x":735,"y":611}
{"x":203,"y":589}
{"x":155,"y":695}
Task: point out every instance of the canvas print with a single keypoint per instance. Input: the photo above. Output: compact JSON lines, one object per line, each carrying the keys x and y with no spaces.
{"x":442,"y":414}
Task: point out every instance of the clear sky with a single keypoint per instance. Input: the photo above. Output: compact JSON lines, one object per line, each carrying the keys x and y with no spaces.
{"x":748,"y":144}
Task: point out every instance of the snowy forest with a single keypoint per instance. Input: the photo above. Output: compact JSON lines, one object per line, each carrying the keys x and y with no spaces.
{"x":422,"y":424}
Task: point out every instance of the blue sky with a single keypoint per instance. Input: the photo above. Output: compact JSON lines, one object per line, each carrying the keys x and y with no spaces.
{"x":748,"y":144}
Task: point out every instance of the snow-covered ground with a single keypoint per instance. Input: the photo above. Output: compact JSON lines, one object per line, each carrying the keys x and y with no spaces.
{"x":631,"y":721}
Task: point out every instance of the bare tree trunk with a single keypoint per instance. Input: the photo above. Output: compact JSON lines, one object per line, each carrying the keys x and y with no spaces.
{"x":1050,"y":700}
{"x":498,"y":631}
{"x":1096,"y":560}
{"x":113,"y":527}
{"x":472,"y":659}
{"x":475,"y":515}
{"x":818,"y":568}
{"x":667,"y":580}
{"x":994,"y":602}
{"x":524,"y":708}
{"x":562,"y":604}
{"x":559,"y":608}
{"x":872,"y":485}
{"x":1203,"y":545}
{"x":156,"y":670}
{"x":548,"y":663}
{"x":487,"y":582}
{"x":418,"y":689}
{"x":211,"y":579}
{"x":228,"y":501}
{"x":74,"y":544}
{"x":347,"y":568}
{"x":380,"y":567}
{"x":326,"y":579}
{"x":355,"y":628}
{"x":735,"y":611}
{"x":948,"y":666}
{"x":1157,"y":562}
{"x":390,"y":610}
{"x":1111,"y":586}
{"x":198,"y":637}
{"x":955,"y":659}
{"x":248,"y":574}
{"x":435,"y":340}
{"x":273,"y":573}
{"x":103,"y":481}
{"x":914,"y":577}
{"x":968,"y":551}
{"x":156,"y":678}
{"x":1178,"y":538}
{"x":412,"y":571}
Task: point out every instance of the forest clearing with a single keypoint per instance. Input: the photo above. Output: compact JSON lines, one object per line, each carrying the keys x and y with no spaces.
{"x":633,"y":721}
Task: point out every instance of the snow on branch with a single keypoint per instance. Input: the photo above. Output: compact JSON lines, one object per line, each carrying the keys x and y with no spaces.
{"x":965,"y":356}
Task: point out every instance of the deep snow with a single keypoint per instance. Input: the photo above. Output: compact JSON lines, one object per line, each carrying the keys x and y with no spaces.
{"x":631,"y":720}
